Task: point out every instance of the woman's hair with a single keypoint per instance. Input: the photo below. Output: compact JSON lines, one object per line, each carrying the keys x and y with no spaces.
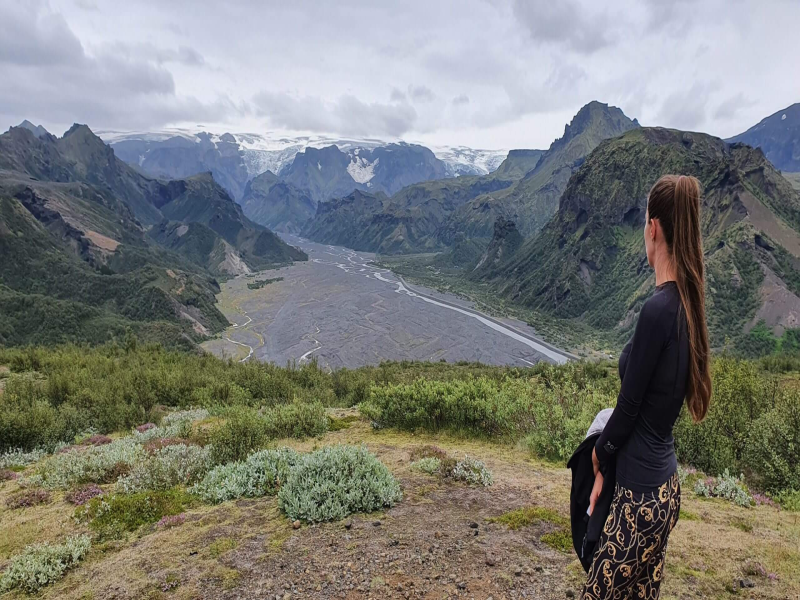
{"x":675,"y":202}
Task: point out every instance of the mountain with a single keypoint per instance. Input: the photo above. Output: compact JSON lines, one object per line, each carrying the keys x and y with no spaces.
{"x":178,"y":157}
{"x":778,"y":136}
{"x":276,"y":204}
{"x":525,"y":189}
{"x":75,"y":243}
{"x":533,"y":200}
{"x":37,"y":130}
{"x":589,"y":262}
{"x":505,"y":242}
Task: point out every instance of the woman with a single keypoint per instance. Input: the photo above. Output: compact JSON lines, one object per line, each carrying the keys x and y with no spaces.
{"x":666,"y":361}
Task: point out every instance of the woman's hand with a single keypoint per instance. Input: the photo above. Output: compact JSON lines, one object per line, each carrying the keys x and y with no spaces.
{"x":595,"y":462}
{"x":596,"y":489}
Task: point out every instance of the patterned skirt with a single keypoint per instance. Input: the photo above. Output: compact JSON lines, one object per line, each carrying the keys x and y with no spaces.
{"x":629,"y":561}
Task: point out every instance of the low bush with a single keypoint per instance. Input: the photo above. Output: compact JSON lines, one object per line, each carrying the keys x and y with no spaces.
{"x":789,"y":500}
{"x":96,"y":440}
{"x":428,"y":451}
{"x":772,"y":452}
{"x":110,"y":517}
{"x":19,"y":458}
{"x":39,"y":565}
{"x":171,"y":521}
{"x":472,"y":471}
{"x":95,"y":464}
{"x":166,"y":468}
{"x":429,"y":465}
{"x":81,"y":495}
{"x":725,"y":486}
{"x":261,"y":474}
{"x":296,"y":420}
{"x":335,"y":481}
{"x":28,"y":498}
{"x":242,"y":432}
{"x":8,"y":475}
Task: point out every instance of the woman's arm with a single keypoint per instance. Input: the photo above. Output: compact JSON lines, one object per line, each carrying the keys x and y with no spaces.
{"x":648,"y":341}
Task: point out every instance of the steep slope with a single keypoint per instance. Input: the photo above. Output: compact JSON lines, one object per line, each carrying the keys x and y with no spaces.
{"x":533,"y":200}
{"x":778,"y":136}
{"x":589,"y":261}
{"x":505,"y":242}
{"x":517,"y":164}
{"x":276,"y":204}
{"x":321,"y":173}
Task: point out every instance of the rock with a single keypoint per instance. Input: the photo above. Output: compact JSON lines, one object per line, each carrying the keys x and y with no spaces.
{"x":462,"y":585}
{"x":473,"y":525}
{"x":746,"y":583}
{"x":517,"y":571}
{"x":296,"y":525}
{"x":570,"y":594}
{"x":348,"y":524}
{"x":491,"y":560}
{"x":376,"y":523}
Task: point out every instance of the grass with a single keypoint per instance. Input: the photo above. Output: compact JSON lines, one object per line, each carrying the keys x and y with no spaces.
{"x":523,"y":517}
{"x":220,"y":546}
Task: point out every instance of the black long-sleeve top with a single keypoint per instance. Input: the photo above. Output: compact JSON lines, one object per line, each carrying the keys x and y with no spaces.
{"x":654,"y":368}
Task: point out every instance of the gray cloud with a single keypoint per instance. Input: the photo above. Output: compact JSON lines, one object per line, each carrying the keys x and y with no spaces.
{"x":397,"y":95}
{"x":420,"y":93}
{"x":565,"y":23}
{"x":52,"y":78}
{"x":460,"y":100}
{"x":346,"y":115}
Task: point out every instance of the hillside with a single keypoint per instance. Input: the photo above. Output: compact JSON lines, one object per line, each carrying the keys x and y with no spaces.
{"x":80,"y":263}
{"x":533,"y":200}
{"x":276,"y":204}
{"x":589,"y":261}
{"x":778,"y":136}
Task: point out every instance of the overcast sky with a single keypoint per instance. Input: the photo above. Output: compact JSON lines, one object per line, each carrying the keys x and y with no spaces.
{"x":482,"y":73}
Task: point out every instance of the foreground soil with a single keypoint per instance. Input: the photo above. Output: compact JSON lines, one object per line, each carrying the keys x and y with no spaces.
{"x":436,"y":543}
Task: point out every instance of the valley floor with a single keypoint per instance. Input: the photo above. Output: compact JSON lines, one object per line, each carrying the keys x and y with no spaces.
{"x":345,"y":311}
{"x":435,"y":543}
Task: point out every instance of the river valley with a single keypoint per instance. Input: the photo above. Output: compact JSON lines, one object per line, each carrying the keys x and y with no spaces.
{"x":343,"y":310}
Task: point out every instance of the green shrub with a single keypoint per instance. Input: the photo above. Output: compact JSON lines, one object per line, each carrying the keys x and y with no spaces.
{"x":242,"y":432}
{"x":95,"y":464}
{"x":18,"y":458}
{"x":166,"y":468}
{"x":261,"y":474}
{"x":740,"y":396}
{"x":333,"y":482}
{"x":296,"y":420}
{"x":772,"y":452}
{"x":110,"y":517}
{"x":39,"y":565}
{"x":789,"y":499}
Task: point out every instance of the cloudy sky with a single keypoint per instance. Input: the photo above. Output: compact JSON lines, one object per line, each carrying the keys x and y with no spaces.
{"x":483,"y":73}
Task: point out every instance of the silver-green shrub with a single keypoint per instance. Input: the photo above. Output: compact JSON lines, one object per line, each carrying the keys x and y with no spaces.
{"x":429,"y":465}
{"x":725,"y":486}
{"x":335,"y":481}
{"x":95,"y":464}
{"x":261,"y":474}
{"x":41,"y":564}
{"x":170,"y":466}
{"x":20,"y":458}
{"x":472,"y":471}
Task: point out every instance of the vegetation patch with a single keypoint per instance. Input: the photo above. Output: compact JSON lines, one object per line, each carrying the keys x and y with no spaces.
{"x":261,"y":474}
{"x":39,"y":565}
{"x":166,"y":468}
{"x":430,"y":465}
{"x":725,"y":486}
{"x":560,"y":539}
{"x":259,"y":283}
{"x":81,"y":495}
{"x":335,"y":481}
{"x":113,"y":516}
{"x":220,"y":546}
{"x":28,"y":498}
{"x":337,"y":424}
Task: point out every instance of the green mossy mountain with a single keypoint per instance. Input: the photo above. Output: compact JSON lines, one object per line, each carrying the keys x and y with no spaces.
{"x":78,"y":263}
{"x":778,"y":136}
{"x":589,"y":262}
{"x":532,"y":201}
{"x":276,"y":204}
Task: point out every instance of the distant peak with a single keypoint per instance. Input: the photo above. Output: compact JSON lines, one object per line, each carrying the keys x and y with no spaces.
{"x":596,"y":114}
{"x":37,"y":130}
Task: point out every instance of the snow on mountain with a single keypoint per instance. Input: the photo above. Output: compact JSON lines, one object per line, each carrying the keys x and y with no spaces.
{"x":274,"y":150}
